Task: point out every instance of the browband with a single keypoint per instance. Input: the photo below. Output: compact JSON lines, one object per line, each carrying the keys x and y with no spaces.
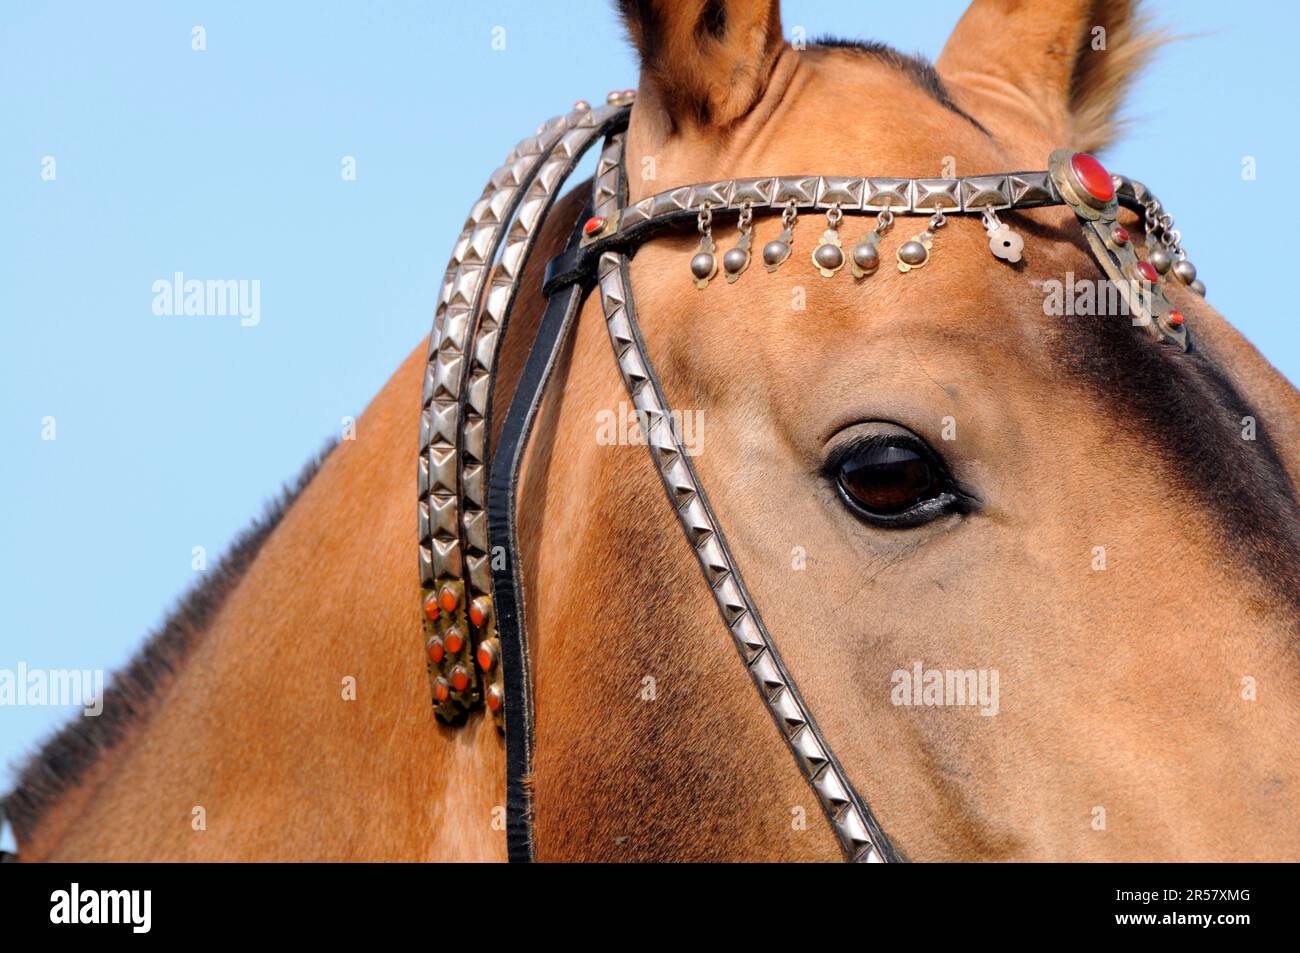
{"x":624,"y":229}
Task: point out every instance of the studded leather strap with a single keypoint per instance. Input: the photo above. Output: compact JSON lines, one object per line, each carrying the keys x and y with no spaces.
{"x":851,"y":819}
{"x":460,"y":627}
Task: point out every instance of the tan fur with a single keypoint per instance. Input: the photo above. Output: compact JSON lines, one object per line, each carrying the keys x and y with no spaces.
{"x":1120,"y":689}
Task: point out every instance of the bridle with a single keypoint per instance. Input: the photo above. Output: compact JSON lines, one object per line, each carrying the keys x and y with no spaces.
{"x":472,"y":590}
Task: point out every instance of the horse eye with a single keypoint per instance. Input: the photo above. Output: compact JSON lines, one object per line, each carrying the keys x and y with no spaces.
{"x":895,"y":482}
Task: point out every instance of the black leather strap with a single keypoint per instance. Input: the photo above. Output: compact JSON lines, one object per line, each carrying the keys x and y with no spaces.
{"x":578,"y":263}
{"x":503,"y":542}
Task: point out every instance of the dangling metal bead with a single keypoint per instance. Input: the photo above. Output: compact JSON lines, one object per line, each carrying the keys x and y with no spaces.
{"x":704,"y":265}
{"x":1198,"y":286}
{"x":916,"y":253}
{"x":1159,"y":257}
{"x":736,"y":260}
{"x":1185,"y":271}
{"x":1003,"y":242}
{"x":828,"y":256}
{"x":777,"y":251}
{"x":865,"y":258}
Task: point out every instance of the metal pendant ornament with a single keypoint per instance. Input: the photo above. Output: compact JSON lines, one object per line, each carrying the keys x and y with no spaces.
{"x":736,"y":260}
{"x":777,"y":251}
{"x":916,"y":252}
{"x":1166,"y":246}
{"x":1160,"y":259}
{"x":704,"y":263}
{"x":1003,"y":242}
{"x":865,"y":257}
{"x":1093,"y":194}
{"x":828,"y":256}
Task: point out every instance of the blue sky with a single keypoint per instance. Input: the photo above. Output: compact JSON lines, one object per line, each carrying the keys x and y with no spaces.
{"x":226,"y":162}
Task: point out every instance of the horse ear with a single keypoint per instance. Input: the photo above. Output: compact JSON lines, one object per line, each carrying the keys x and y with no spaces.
{"x":703,"y":62}
{"x":1063,"y":66}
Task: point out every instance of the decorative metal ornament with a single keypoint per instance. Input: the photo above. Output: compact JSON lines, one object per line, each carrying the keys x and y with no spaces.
{"x":1165,"y":242}
{"x":1003,"y":242}
{"x":736,"y":260}
{"x":865,"y":257}
{"x":828,"y":256}
{"x":1090,"y":192}
{"x":1184,"y":271}
{"x":777,"y":251}
{"x":916,"y":252}
{"x":704,"y":264}
{"x":1160,"y":258}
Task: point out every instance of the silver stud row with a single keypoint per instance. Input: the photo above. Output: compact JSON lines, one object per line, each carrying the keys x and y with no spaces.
{"x":494,"y":244}
{"x":1017,"y":190}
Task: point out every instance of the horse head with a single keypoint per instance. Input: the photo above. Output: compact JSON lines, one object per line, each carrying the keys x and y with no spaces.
{"x":925,"y":477}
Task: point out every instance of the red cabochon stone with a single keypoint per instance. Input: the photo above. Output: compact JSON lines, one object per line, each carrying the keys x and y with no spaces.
{"x":1092,"y":175}
{"x":448,"y":598}
{"x":1148,"y":271}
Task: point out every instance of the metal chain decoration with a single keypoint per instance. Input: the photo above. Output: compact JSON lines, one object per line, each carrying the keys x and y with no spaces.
{"x":983,"y":195}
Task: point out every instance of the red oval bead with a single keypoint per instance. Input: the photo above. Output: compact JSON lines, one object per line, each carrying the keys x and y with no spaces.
{"x":593,"y":225}
{"x":1147,"y":272}
{"x":493,"y":699}
{"x":431,"y":608}
{"x":1175,"y":318}
{"x":1092,"y":175}
{"x":448,"y":599}
{"x":454,"y":641}
{"x":435,"y":650}
{"x":487,"y":657}
{"x":1120,"y":235}
{"x":459,"y":679}
{"x":478,"y":610}
{"x":441,"y":690}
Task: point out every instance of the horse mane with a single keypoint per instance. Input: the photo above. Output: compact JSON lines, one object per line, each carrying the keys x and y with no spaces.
{"x":916,"y":68}
{"x":65,"y":758}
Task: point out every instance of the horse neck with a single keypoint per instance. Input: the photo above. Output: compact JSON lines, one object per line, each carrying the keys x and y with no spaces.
{"x":301,"y":722}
